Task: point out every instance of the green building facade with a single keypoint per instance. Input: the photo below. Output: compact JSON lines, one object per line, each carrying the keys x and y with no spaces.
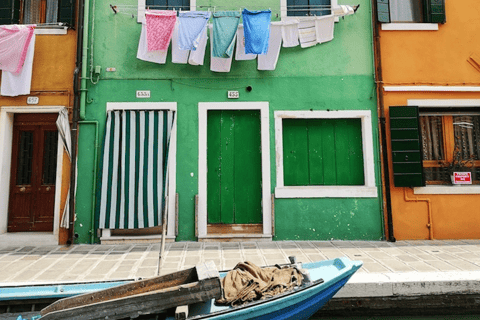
{"x":288,"y":154}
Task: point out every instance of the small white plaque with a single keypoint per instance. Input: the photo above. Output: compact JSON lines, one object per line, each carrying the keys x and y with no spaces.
{"x":143,"y":93}
{"x":233,"y":95}
{"x":32,"y":100}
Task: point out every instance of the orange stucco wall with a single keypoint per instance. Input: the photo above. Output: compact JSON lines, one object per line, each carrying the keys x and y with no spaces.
{"x":52,"y":83}
{"x":433,"y":58}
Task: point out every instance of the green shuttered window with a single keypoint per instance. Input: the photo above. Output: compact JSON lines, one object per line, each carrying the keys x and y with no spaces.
{"x":37,"y":12}
{"x":406,"y":152}
{"x":405,"y":11}
{"x":134,"y":168}
{"x":323,"y":152}
{"x":308,"y":7}
{"x":169,"y":4}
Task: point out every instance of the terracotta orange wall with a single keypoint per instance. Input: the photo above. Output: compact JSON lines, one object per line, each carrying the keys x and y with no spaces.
{"x":435,"y":57}
{"x":52,"y":83}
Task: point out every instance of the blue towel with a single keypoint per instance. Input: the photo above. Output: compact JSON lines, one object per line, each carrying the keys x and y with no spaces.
{"x":191,"y":26}
{"x":256,"y":26}
{"x":225,"y":24}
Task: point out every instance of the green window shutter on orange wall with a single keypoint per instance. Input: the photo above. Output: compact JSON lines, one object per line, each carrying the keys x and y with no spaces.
{"x":406,"y":151}
{"x":9,"y":12}
{"x":383,"y":11}
{"x":435,"y":11}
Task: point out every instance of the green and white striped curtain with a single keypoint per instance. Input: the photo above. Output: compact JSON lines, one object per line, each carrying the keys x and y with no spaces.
{"x":134,"y":171}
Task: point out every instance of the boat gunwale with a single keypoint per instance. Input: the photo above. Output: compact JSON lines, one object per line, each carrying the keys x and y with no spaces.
{"x":351,"y":269}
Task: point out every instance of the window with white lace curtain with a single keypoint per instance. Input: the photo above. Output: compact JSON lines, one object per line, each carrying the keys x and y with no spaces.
{"x":450,"y":142}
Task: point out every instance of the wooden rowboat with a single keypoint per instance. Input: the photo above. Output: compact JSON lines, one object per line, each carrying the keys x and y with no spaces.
{"x":191,"y":294}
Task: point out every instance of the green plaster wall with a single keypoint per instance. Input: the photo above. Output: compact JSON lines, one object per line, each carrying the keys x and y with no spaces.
{"x":337,"y":76}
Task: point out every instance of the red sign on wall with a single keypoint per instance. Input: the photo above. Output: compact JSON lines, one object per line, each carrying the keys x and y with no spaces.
{"x":462,"y":178}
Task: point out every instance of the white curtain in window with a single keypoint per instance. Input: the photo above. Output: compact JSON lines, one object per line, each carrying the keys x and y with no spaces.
{"x":406,"y":10}
{"x":31,"y":11}
{"x":432,"y":137}
{"x":467,"y":137}
{"x":52,"y":11}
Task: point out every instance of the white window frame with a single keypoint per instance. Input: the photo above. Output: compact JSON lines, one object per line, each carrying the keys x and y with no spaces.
{"x":284,"y":17}
{"x":142,"y":4}
{"x":203,"y":108}
{"x":435,"y":103}
{"x":6,"y":140}
{"x":171,"y":224}
{"x":368,"y":190}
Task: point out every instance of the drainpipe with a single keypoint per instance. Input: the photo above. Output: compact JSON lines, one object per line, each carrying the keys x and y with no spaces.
{"x":76,"y":107}
{"x":381,"y":124}
{"x":83,"y":78}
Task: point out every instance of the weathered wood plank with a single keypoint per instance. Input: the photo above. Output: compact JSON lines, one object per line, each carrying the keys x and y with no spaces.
{"x":146,"y":303}
{"x":181,"y":313}
{"x":130,"y":289}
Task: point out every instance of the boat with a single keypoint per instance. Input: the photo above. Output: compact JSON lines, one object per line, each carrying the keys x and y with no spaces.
{"x":191,"y":294}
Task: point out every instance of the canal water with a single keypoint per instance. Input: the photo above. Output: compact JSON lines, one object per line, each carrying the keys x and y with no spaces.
{"x":436,"y":317}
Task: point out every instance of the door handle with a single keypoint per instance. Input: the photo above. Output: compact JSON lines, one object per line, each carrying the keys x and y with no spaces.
{"x":49,"y":188}
{"x":22,"y":189}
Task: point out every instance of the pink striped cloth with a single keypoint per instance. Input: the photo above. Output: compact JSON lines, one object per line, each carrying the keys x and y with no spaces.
{"x":14,"y":42}
{"x":160,"y":25}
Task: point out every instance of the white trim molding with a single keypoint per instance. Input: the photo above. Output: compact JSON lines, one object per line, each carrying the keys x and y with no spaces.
{"x":454,"y":189}
{"x":203,"y":108}
{"x":394,"y":26}
{"x":6,"y":138}
{"x":435,"y":103}
{"x":368,"y":190}
{"x":170,"y":106}
{"x":431,"y":88}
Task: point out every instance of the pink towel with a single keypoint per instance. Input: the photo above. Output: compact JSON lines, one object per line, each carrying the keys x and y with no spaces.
{"x":160,"y":25}
{"x":14,"y":42}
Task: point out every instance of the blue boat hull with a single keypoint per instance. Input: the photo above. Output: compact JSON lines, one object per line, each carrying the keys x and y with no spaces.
{"x":302,"y":303}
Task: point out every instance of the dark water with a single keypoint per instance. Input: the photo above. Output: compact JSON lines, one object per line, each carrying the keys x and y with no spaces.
{"x":437,"y":317}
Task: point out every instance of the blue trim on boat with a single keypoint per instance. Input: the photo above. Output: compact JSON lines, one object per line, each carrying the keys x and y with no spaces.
{"x":54,"y":291}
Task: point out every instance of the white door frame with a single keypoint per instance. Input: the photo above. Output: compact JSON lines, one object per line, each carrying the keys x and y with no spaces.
{"x":6,"y":139}
{"x":203,"y":108}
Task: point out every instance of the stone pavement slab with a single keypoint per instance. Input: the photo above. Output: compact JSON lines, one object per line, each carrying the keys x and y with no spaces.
{"x":390,"y":269}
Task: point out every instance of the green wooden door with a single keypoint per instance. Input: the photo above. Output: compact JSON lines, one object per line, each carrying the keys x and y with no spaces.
{"x":234,"y":178}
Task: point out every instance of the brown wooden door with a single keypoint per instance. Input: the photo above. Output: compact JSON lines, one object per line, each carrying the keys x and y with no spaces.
{"x":33,"y":175}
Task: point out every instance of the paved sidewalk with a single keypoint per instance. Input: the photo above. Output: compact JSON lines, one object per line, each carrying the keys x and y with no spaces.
{"x":390,"y":269}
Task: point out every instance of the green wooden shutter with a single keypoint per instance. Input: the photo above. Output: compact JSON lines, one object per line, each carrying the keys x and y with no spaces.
{"x":322,"y":152}
{"x":66,"y":12}
{"x":383,"y":11}
{"x":435,"y":11}
{"x":406,"y":151}
{"x":9,"y":12}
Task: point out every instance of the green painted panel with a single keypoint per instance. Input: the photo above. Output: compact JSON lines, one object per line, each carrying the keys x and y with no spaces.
{"x":348,"y":145}
{"x":295,"y":152}
{"x":248,"y":167}
{"x":329,"y":153}
{"x":234,"y":167}
{"x":315,"y":152}
{"x":404,"y":133}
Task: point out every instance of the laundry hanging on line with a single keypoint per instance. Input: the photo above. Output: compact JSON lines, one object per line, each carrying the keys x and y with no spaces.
{"x":251,"y":39}
{"x":14,"y":44}
{"x":160,"y":25}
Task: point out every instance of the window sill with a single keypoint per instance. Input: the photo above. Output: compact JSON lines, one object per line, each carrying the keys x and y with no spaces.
{"x":326,"y":192}
{"x":410,"y":26}
{"x":457,"y":189}
{"x":51,"y":31}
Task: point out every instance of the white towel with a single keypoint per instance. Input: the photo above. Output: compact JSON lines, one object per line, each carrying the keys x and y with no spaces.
{"x":269,"y":61}
{"x":178,"y":55}
{"x":218,"y":64}
{"x":343,"y":10}
{"x":150,"y":56}
{"x":196,"y":57}
{"x":307,"y":32}
{"x":240,"y":52}
{"x":290,"y":34}
{"x":15,"y":84}
{"x":324,"y":28}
